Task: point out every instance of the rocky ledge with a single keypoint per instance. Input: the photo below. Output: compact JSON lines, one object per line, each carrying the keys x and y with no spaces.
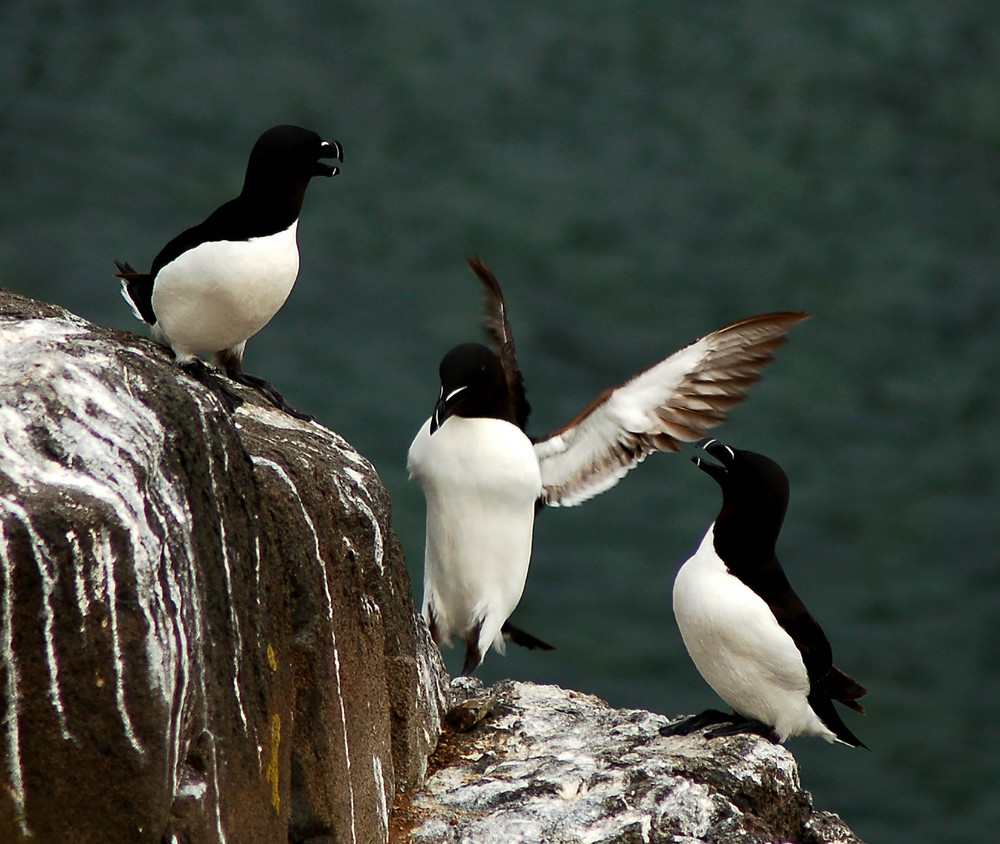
{"x":207,"y":635}
{"x":524,"y":763}
{"x":207,"y":632}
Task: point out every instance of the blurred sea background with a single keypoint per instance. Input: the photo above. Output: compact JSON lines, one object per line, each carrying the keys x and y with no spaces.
{"x":637,"y":174}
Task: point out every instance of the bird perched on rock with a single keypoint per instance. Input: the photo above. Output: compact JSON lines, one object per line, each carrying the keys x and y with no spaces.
{"x":218,"y":283}
{"x":746,"y":630}
{"x":483,"y":478}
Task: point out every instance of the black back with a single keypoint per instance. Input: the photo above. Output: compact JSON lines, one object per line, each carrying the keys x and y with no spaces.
{"x":281,"y":163}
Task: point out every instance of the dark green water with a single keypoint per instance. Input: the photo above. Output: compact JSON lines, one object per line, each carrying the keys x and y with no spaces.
{"x":637,"y":174}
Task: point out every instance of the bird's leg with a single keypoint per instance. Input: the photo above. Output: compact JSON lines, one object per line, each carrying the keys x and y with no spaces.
{"x":215,"y":385}
{"x":473,"y":658}
{"x":232,"y":361}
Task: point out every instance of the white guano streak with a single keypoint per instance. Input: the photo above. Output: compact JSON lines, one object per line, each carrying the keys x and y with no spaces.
{"x":46,"y":570}
{"x":197,"y":615}
{"x":82,"y":394}
{"x":378,"y":542}
{"x":383,"y":806}
{"x":105,"y":557}
{"x":79,"y":581}
{"x":283,"y":476}
{"x":11,"y":724}
{"x":116,"y":445}
{"x":227,"y":571}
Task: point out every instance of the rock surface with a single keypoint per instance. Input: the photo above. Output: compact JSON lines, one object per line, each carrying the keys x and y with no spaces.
{"x":207,"y":635}
{"x":527,"y":763}
{"x":206,"y":626}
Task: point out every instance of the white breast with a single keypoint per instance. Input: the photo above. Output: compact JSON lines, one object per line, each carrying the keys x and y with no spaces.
{"x":481,"y":479}
{"x":219,"y":294}
{"x":739,"y":648}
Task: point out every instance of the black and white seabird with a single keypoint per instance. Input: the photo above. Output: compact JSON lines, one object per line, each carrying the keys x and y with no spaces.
{"x":217,"y":284}
{"x":483,"y":477}
{"x":746,"y":630}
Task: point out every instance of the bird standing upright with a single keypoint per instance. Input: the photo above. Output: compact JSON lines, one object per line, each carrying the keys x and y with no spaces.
{"x":218,"y":283}
{"x":483,"y":478}
{"x":748,"y":633}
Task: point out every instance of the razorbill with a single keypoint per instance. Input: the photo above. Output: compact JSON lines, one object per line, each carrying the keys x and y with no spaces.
{"x":218,"y":283}
{"x":483,"y":477}
{"x":746,"y":630}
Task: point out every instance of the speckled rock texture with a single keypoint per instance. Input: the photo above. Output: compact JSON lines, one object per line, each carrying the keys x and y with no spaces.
{"x":206,"y":627}
{"x":526,"y":763}
{"x":207,"y":635}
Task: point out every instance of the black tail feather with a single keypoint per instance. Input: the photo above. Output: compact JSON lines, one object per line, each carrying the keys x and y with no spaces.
{"x":836,"y":685}
{"x":827,"y":712}
{"x":847,"y":690}
{"x":525,"y":640}
{"x":139,"y":287}
{"x":126,"y":270}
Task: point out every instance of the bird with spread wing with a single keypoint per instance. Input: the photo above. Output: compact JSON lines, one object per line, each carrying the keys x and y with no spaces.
{"x":484,"y":478}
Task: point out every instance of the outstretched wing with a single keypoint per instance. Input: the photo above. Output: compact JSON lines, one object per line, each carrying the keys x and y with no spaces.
{"x":675,"y":401}
{"x":498,"y":329}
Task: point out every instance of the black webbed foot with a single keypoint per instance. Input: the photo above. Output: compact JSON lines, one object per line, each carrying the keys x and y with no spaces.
{"x":265,"y":388}
{"x":721,"y":723}
{"x":212,"y":382}
{"x":749,"y":726}
{"x":694,"y":723}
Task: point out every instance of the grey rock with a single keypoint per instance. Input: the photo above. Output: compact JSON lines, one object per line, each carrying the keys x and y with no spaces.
{"x":563,"y":767}
{"x":207,"y":635}
{"x":206,"y":626}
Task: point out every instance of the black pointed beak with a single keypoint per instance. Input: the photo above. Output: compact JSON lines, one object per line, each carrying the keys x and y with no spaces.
{"x":330,"y":149}
{"x":445,"y":407}
{"x":439,"y":415}
{"x":721,"y":452}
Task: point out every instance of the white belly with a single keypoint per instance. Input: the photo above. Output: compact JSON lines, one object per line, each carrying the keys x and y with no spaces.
{"x":219,"y":294}
{"x":740,"y":649}
{"x":481,"y":480}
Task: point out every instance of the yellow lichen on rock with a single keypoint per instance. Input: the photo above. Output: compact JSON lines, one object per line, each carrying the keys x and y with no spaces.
{"x":273,"y":765}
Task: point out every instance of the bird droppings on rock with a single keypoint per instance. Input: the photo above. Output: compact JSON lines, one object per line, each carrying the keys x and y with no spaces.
{"x":558,"y":766}
{"x":207,"y":634}
{"x":188,"y":647}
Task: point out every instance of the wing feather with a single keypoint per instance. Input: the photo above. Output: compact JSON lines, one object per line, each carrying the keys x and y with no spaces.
{"x":498,"y":330}
{"x":677,"y":400}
